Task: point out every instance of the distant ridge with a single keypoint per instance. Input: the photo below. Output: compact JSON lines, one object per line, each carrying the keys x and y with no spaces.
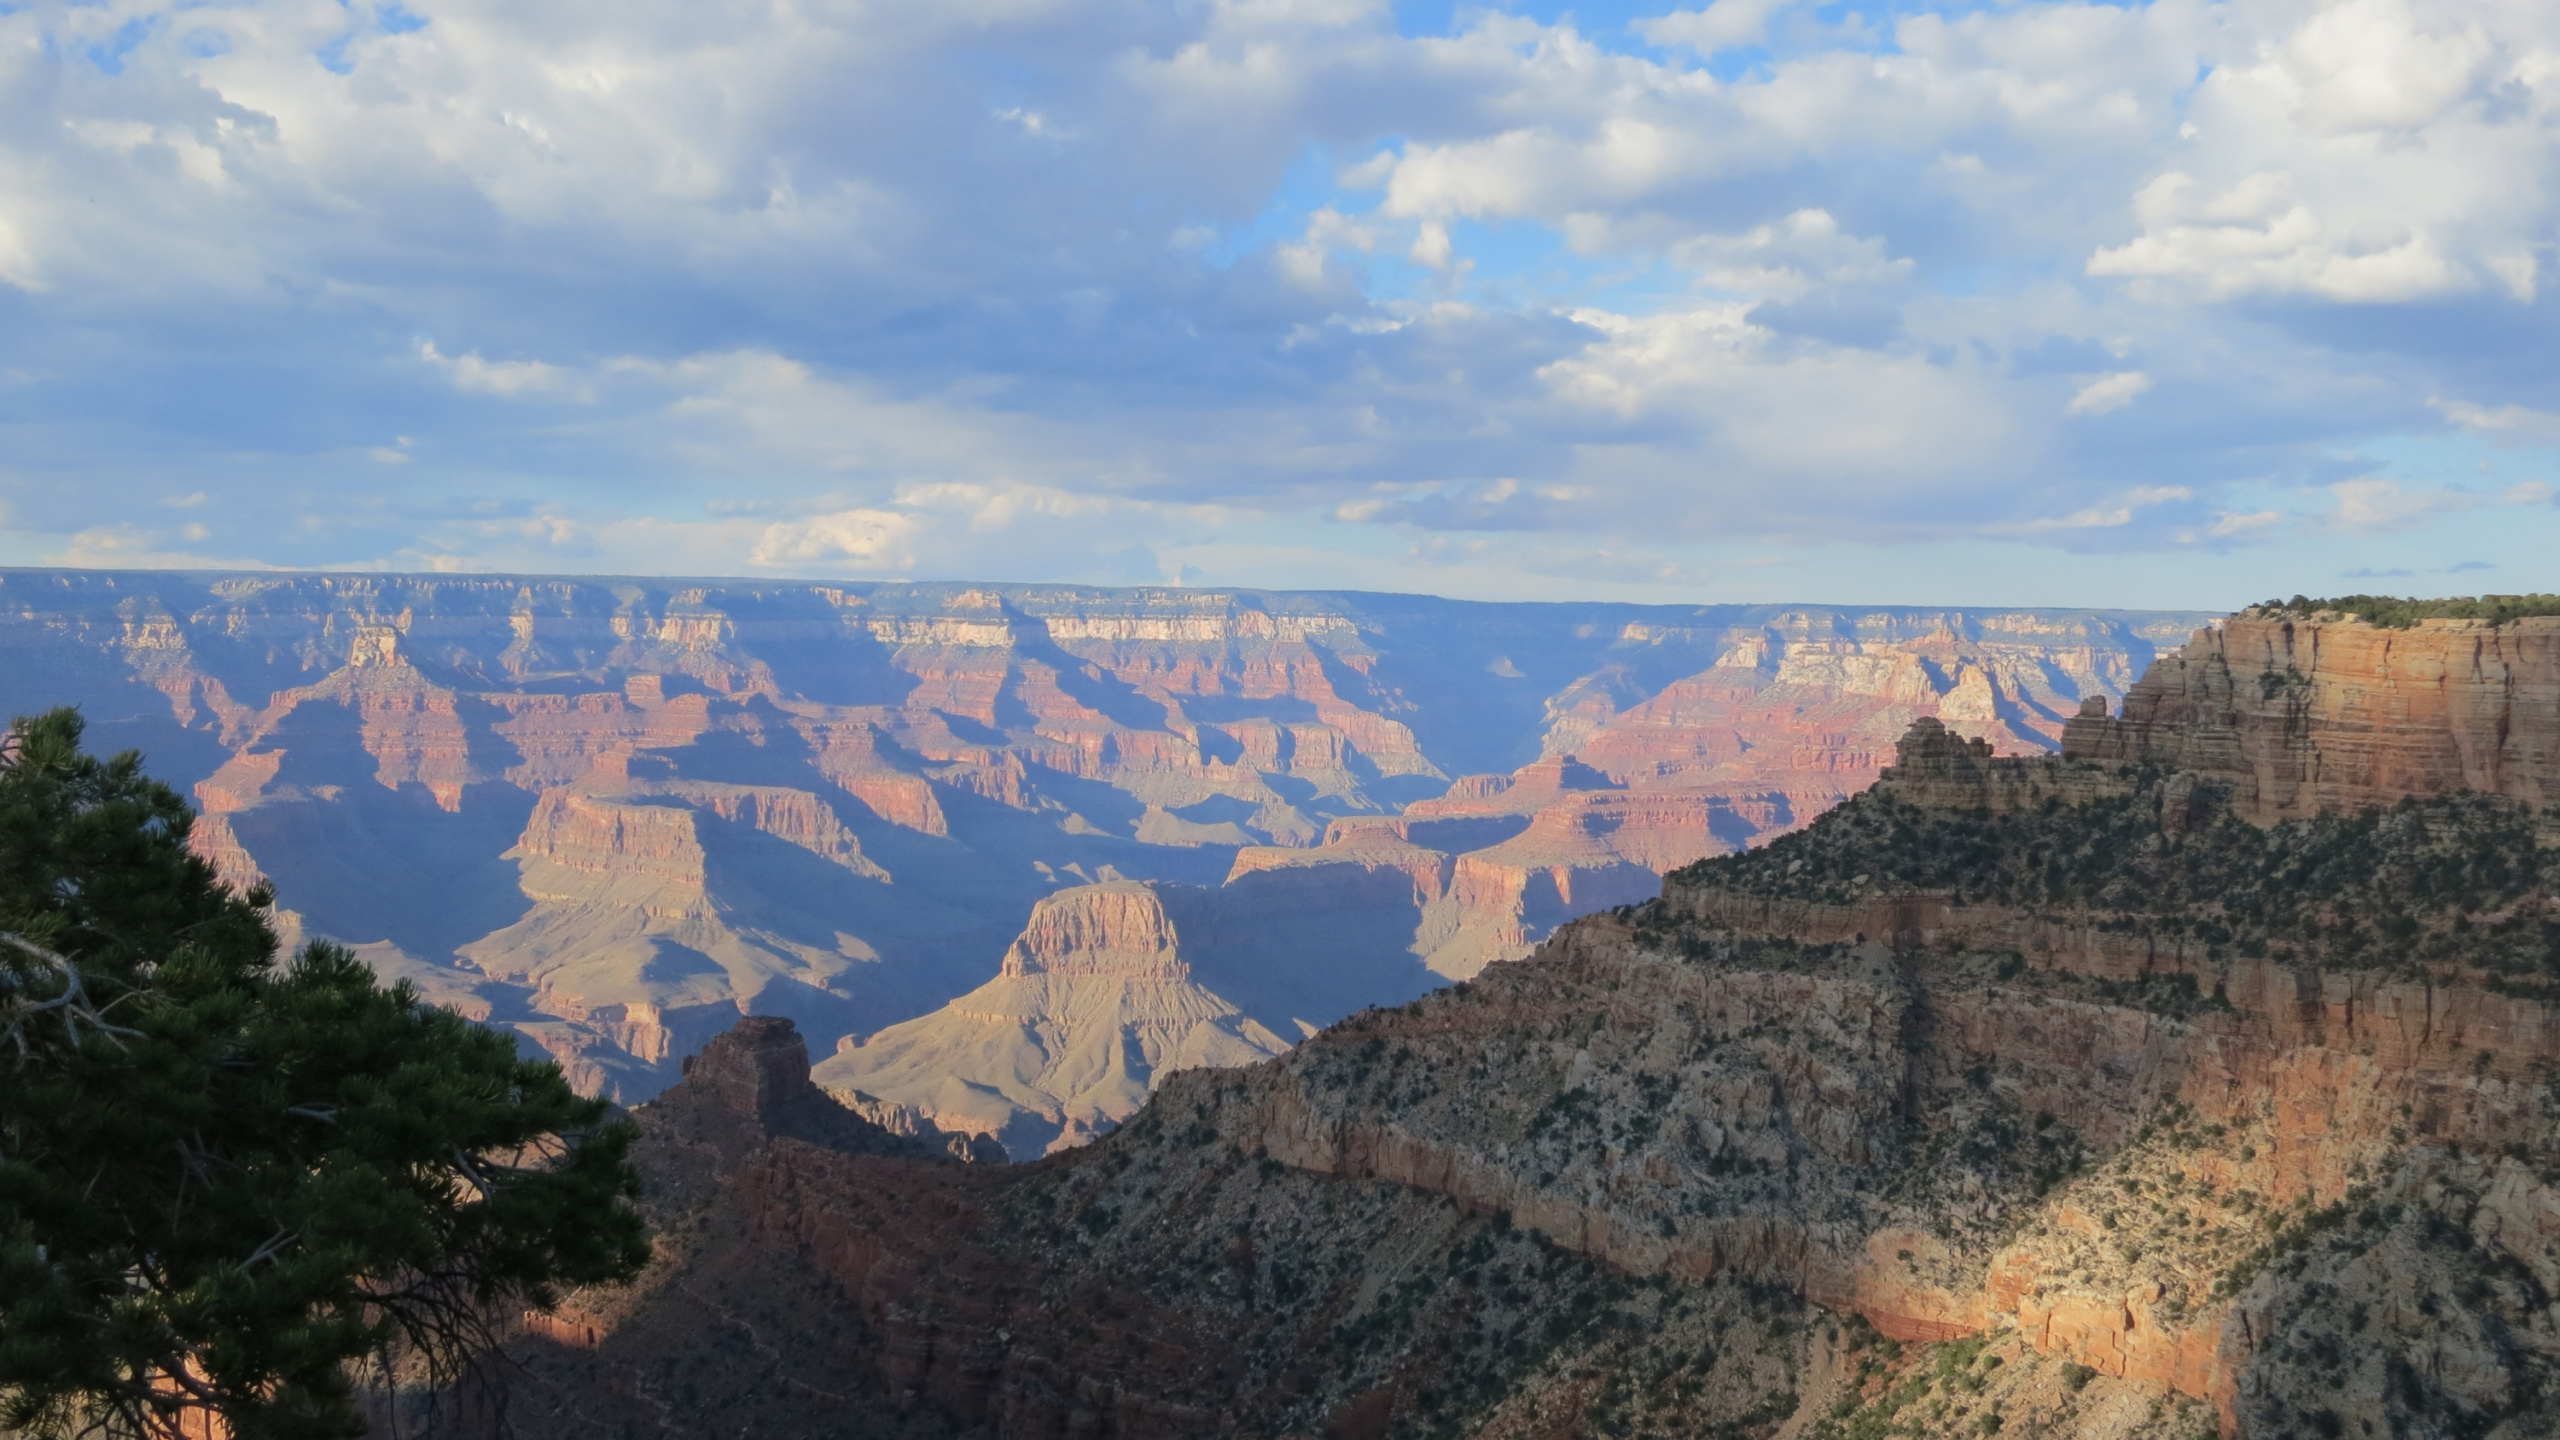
{"x":613,"y":814}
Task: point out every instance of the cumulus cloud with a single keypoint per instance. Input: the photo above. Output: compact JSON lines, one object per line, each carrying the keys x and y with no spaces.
{"x":1778,"y":410}
{"x":2254,"y":237}
{"x":1784,"y":260}
{"x":1722,"y":25}
{"x":2373,"y":505}
{"x":2361,"y":152}
{"x":2367,"y":65}
{"x":714,"y":285}
{"x":17,"y":261}
{"x":861,"y":538}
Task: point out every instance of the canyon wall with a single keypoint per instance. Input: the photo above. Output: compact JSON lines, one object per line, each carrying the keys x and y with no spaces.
{"x":2302,"y":716}
{"x":2070,"y":1095}
{"x":614,"y":814}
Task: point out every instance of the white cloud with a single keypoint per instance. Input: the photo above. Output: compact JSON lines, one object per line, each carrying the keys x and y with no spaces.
{"x":864,"y":539}
{"x":1784,"y":260}
{"x":17,"y":257}
{"x":2368,"y":65}
{"x":2231,"y":524}
{"x":1431,"y":246}
{"x":1722,"y":25}
{"x":133,"y":547}
{"x":997,"y":506}
{"x":2354,"y":151}
{"x":1121,"y":301}
{"x":2108,"y":393}
{"x":509,"y":378}
{"x":2095,"y":518}
{"x":1031,"y":121}
{"x":2375,"y":506}
{"x":2104,"y":517}
{"x":2509,"y":422}
{"x":2520,"y":271}
{"x":1776,"y":411}
{"x":2253,"y":238}
{"x":1328,"y":230}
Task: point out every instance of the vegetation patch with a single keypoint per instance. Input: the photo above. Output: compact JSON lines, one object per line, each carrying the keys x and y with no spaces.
{"x":2391,"y":612}
{"x":2447,"y":879}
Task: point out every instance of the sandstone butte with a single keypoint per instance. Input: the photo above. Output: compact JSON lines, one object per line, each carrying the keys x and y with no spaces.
{"x":2072,"y":1095}
{"x":613,"y":815}
{"x":2302,"y":718}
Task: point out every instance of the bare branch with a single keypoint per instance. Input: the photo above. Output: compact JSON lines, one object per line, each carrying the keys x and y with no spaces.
{"x":274,"y":1247}
{"x":73,"y":1004}
{"x":472,"y":1173}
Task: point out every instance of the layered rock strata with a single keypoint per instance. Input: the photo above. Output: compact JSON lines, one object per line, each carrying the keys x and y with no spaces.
{"x":2071,"y":1096}
{"x":614,"y":815}
{"x":1094,"y":1006}
{"x":2305,"y":716}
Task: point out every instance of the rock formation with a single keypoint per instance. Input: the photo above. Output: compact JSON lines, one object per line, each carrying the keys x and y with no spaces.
{"x":2069,"y":1096}
{"x":750,"y":1086}
{"x":2302,"y":716}
{"x":614,"y":815}
{"x":1094,"y":1006}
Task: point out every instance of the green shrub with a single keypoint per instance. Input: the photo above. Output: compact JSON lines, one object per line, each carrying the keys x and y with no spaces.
{"x":2396,"y":613}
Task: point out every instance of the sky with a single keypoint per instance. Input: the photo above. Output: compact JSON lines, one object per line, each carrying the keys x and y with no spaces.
{"x":2174,"y":305}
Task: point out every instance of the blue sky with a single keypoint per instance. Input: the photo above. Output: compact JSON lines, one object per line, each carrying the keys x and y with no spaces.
{"x":2183,"y":304}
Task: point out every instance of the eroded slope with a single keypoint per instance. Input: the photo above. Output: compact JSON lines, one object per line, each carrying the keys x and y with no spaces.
{"x":2058,"y":1097}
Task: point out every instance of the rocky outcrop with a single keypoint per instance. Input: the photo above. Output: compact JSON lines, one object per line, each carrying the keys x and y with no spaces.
{"x":1116,"y":929}
{"x":750,"y":1086}
{"x":2305,"y":716}
{"x":1938,"y":769}
{"x":1093,"y":1008}
{"x":633,"y":845}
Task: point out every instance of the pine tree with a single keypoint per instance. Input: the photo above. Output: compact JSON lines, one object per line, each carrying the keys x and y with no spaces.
{"x":227,"y":1179}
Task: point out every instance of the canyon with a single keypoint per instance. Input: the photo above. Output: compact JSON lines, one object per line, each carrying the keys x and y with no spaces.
{"x":613,"y":815}
{"x":2085,"y":1094}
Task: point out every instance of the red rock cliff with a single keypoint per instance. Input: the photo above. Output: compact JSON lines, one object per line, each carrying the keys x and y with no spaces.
{"x":2303,"y":716}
